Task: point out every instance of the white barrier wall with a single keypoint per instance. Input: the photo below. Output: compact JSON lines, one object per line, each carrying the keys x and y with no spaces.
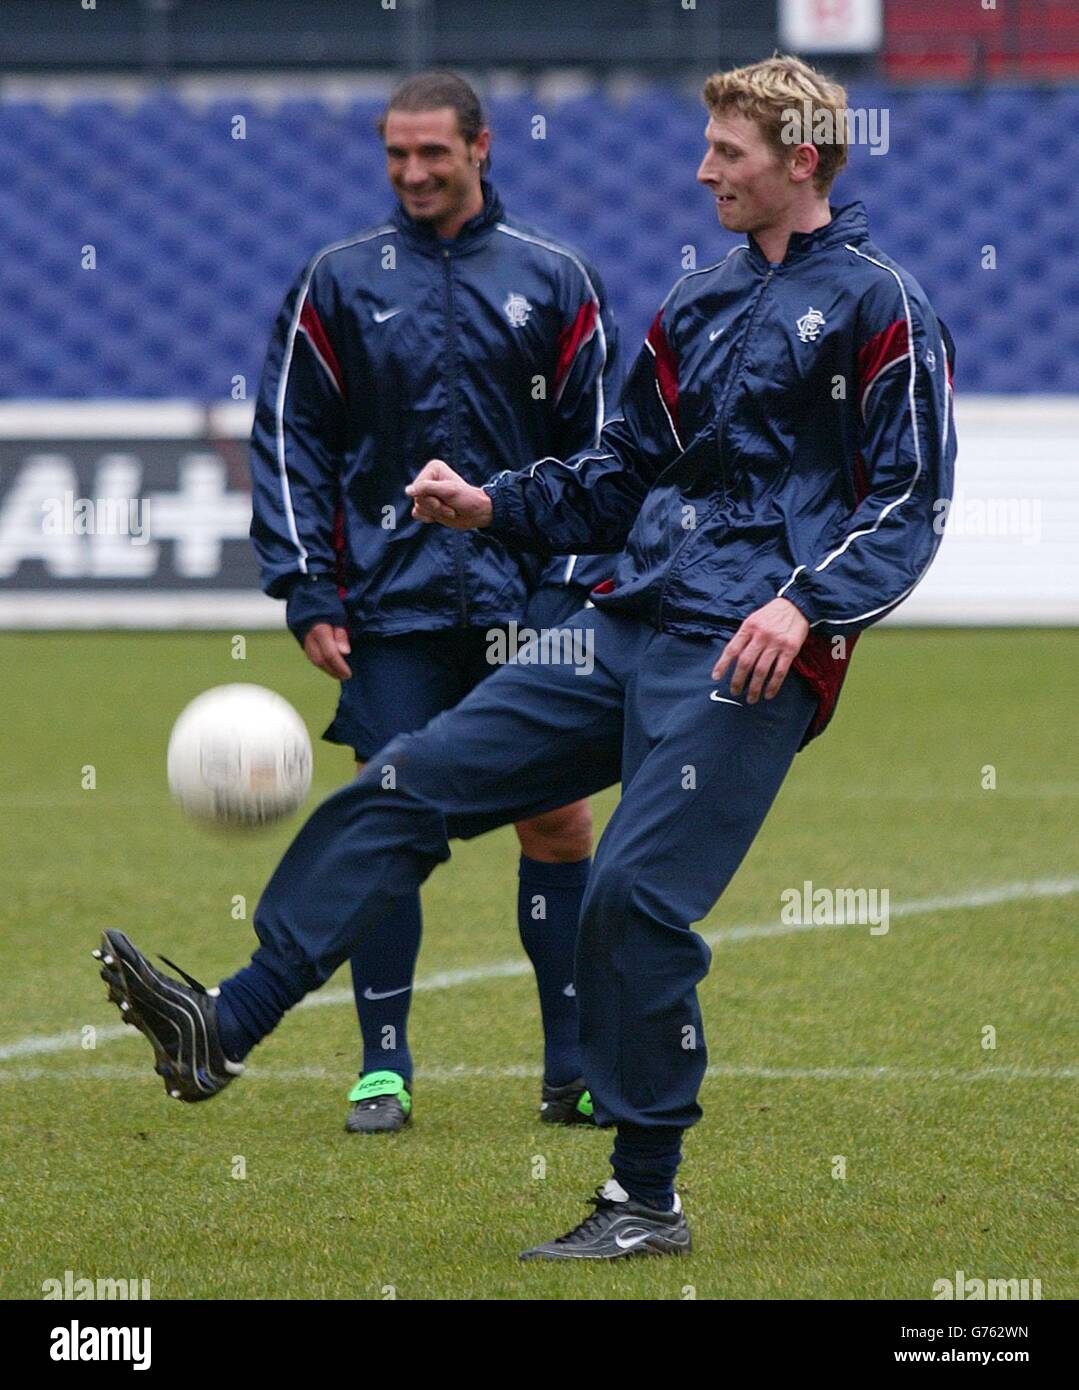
{"x":1010,"y":552}
{"x":136,"y":515}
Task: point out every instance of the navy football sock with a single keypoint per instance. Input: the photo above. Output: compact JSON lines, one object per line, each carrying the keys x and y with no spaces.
{"x":253,"y":1001}
{"x":382,"y":968}
{"x":645,"y":1162}
{"x":548,"y":909}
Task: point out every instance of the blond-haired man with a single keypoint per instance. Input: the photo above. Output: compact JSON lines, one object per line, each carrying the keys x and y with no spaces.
{"x":784,"y":434}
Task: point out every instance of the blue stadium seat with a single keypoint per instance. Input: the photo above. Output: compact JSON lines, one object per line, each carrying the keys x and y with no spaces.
{"x":198,"y":234}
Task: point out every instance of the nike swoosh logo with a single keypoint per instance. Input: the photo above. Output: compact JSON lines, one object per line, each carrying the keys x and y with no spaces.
{"x":369,"y":993}
{"x":381,"y":315}
{"x":722,"y":699}
{"x":713,"y":336}
{"x":628,"y":1242}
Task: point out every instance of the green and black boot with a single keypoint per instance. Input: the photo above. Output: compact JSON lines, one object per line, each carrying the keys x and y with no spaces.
{"x":566,"y":1105}
{"x":381,"y":1104}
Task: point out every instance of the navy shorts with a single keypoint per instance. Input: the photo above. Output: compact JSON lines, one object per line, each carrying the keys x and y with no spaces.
{"x":400,"y":683}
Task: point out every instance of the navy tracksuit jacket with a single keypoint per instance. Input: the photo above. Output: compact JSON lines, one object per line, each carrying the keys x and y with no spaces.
{"x":395,"y":346}
{"x":785,"y":430}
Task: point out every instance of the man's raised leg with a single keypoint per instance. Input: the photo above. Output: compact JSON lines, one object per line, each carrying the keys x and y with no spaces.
{"x":526,"y":741}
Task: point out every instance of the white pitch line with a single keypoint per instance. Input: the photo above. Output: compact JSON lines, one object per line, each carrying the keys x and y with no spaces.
{"x":436,"y":1075}
{"x":40,"y":1045}
{"x":987,"y":897}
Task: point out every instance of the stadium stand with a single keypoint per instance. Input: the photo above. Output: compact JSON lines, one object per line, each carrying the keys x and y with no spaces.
{"x":197,"y":234}
{"x":966,"y":41}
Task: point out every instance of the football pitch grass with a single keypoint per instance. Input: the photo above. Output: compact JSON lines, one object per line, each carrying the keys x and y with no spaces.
{"x":881,"y":1110}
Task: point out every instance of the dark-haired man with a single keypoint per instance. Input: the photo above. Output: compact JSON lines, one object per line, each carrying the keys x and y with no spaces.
{"x":450,"y":329}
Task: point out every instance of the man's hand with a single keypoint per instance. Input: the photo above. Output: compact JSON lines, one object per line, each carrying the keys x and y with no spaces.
{"x":439,"y":494}
{"x":326,"y":648}
{"x":768,"y":641}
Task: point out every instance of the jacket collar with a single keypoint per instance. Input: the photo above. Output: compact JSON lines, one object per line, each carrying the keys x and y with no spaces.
{"x":849,"y":223}
{"x":476,"y":230}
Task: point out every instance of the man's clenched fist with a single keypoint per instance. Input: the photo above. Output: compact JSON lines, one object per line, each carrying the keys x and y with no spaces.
{"x":439,"y":494}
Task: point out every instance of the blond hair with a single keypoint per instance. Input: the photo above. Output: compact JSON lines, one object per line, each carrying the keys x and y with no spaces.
{"x":792,"y":104}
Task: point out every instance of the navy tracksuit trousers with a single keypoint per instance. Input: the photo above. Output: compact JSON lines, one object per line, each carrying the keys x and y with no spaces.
{"x":699,"y":771}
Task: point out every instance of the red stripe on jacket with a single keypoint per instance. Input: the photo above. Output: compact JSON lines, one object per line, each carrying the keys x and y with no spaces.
{"x":570,"y":341}
{"x":883,"y":350}
{"x":666,"y":366}
{"x":311,"y":324}
{"x":823,"y":661}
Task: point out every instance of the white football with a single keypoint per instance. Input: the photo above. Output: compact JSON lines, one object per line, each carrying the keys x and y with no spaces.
{"x":239,"y":755}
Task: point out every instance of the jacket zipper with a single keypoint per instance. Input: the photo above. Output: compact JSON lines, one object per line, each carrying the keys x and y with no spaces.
{"x":455,"y":446}
{"x":724,"y":411}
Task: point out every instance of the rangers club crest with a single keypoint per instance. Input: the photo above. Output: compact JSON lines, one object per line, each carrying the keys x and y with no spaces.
{"x":810,"y":325}
{"x":517,"y":309}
